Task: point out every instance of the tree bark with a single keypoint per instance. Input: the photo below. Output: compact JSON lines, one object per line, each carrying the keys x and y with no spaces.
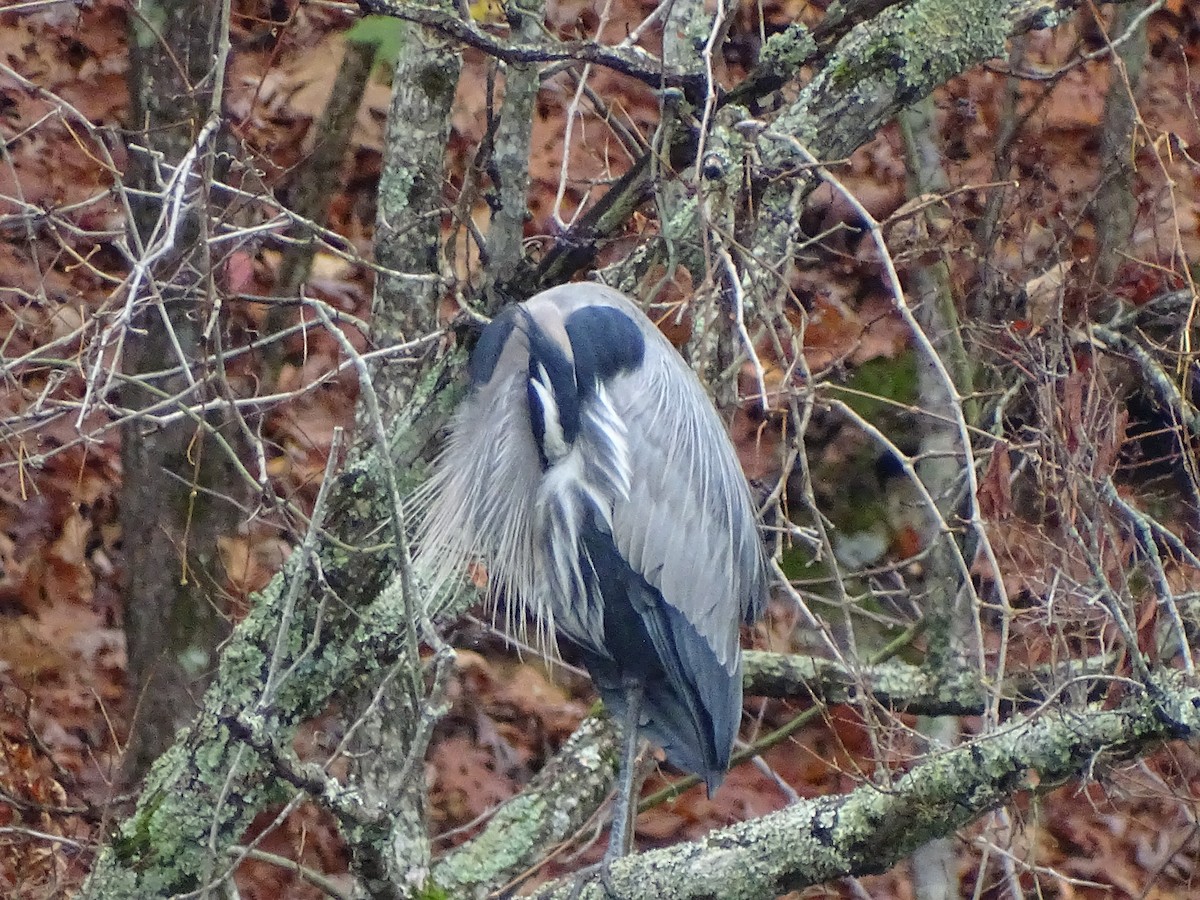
{"x":175,"y":476}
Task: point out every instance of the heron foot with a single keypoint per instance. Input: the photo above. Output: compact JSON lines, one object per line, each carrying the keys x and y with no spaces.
{"x":601,"y":870}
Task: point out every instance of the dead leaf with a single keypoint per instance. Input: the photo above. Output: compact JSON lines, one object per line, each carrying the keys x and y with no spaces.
{"x":1044,"y":295}
{"x":995,"y":487}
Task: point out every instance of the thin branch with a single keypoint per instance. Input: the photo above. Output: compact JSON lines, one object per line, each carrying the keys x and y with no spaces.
{"x":327,"y":885}
{"x":628,"y":60}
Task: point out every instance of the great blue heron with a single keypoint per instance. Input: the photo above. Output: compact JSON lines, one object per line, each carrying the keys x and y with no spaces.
{"x":588,"y":468}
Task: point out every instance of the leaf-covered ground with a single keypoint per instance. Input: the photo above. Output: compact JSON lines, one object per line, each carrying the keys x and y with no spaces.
{"x":64,"y":703}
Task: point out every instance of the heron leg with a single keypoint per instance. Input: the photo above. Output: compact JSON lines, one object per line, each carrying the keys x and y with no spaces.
{"x":620,"y":837}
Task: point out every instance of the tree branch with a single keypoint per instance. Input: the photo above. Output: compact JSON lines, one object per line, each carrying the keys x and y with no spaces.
{"x":628,"y":60}
{"x":869,"y":829}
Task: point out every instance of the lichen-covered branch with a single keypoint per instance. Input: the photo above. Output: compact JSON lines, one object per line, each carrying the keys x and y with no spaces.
{"x":871,"y":62}
{"x":879,"y":68}
{"x":560,"y":799}
{"x":391,"y":719}
{"x":869,"y":829}
{"x":200,"y":796}
{"x":554,"y":805}
{"x":918,"y":690}
{"x":509,"y":164}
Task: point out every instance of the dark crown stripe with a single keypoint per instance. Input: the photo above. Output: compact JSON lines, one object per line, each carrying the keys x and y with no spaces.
{"x":486,"y":355}
{"x":605,"y":342}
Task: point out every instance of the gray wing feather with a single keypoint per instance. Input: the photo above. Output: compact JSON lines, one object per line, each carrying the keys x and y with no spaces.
{"x":689,"y":524}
